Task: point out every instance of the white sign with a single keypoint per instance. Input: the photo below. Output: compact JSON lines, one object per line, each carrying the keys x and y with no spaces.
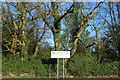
{"x":60,"y":54}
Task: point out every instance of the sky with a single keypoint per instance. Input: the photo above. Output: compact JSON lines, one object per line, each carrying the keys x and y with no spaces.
{"x":92,"y":32}
{"x":60,"y":0}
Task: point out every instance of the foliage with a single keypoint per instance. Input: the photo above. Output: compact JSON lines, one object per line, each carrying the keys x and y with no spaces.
{"x":13,"y":64}
{"x":88,"y":65}
{"x":113,"y":40}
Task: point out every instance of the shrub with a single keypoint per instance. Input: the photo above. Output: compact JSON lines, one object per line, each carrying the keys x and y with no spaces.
{"x":88,"y":65}
{"x":13,"y":64}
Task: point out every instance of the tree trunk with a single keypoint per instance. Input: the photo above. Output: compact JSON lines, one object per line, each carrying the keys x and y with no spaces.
{"x":57,"y":42}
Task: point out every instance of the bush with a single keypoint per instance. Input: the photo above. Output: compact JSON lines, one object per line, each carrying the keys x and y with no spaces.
{"x":78,"y":65}
{"x":13,"y":64}
{"x":88,"y":65}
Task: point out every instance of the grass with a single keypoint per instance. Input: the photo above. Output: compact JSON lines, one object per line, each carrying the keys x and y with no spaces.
{"x":61,"y":79}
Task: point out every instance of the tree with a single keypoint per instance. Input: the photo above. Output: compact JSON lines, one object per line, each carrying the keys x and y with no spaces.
{"x":54,"y":13}
{"x":81,"y":23}
{"x":19,"y":29}
{"x":110,"y":41}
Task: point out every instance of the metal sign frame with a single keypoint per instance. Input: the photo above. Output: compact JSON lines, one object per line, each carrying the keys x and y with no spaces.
{"x":60,"y":54}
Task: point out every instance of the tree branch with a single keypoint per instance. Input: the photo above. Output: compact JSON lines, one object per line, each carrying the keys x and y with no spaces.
{"x":62,"y":16}
{"x":82,"y":26}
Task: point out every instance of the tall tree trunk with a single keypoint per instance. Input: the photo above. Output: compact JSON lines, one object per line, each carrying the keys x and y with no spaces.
{"x":13,"y":45}
{"x":24,"y":37}
{"x":56,"y":42}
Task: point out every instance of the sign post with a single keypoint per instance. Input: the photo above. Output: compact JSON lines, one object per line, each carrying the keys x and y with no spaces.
{"x":60,"y":54}
{"x":63,"y":67}
{"x":57,"y":67}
